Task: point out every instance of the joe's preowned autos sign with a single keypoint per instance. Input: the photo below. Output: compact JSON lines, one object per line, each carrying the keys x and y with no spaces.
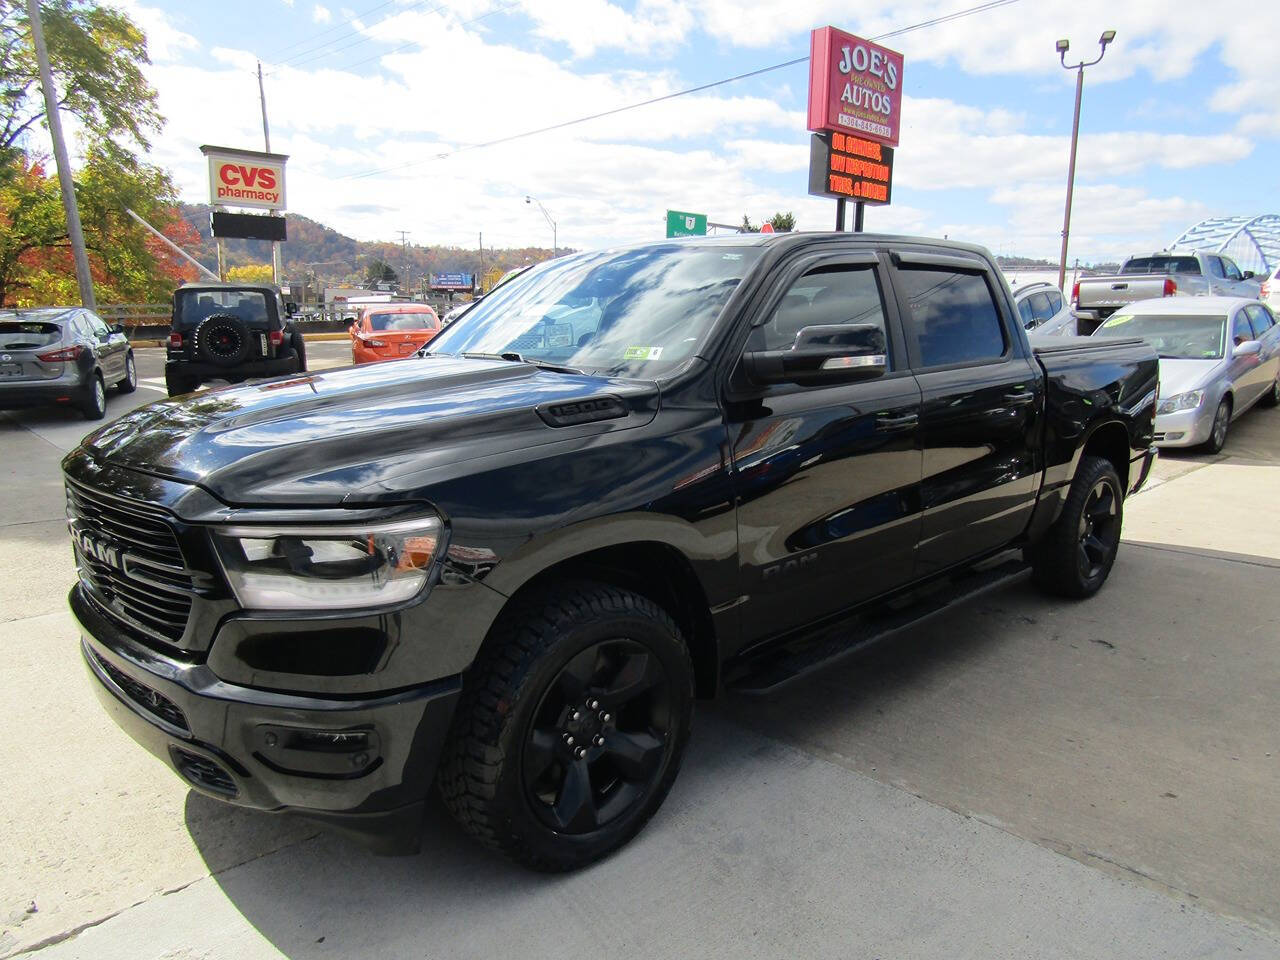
{"x":855,"y":86}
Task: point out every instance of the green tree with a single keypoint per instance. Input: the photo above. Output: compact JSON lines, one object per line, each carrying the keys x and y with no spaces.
{"x":748,"y":226}
{"x":379,"y":271}
{"x":783,"y":222}
{"x":96,"y":54}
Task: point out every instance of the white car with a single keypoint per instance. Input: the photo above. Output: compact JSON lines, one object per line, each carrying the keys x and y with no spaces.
{"x":1270,"y":293}
{"x":1043,"y":311}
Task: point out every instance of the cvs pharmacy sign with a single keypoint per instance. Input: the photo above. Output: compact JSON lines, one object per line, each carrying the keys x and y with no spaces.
{"x":245,"y":178}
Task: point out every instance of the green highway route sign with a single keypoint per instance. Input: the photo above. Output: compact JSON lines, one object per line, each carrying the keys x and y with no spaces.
{"x":681,"y":224}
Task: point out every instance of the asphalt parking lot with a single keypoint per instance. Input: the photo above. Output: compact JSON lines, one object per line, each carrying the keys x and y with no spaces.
{"x":1023,"y":777}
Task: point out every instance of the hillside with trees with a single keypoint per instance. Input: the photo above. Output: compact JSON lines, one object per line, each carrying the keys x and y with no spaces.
{"x":314,"y":250}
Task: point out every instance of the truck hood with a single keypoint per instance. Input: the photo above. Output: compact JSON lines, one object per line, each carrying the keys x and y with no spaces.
{"x":1179,"y":376}
{"x":346,"y":435}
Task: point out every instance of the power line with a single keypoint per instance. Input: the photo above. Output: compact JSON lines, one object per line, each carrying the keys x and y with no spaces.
{"x":365,"y":38}
{"x":336,"y":26}
{"x":959,"y":14}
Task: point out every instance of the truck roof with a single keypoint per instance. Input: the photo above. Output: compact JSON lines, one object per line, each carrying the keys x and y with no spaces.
{"x":1186,"y":306}
{"x":228,"y":285}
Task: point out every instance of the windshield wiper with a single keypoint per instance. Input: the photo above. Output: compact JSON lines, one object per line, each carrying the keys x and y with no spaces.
{"x":513,"y":357}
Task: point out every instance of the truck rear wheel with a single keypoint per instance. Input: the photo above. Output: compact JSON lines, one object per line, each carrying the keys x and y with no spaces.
{"x":571,"y":727}
{"x":1075,"y":556}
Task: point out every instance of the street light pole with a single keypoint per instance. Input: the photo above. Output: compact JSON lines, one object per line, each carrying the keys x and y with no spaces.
{"x":1062,"y":47}
{"x":74,"y":234}
{"x":554,"y":241}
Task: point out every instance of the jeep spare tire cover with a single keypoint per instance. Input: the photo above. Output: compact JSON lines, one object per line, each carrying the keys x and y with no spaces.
{"x":222,"y":339}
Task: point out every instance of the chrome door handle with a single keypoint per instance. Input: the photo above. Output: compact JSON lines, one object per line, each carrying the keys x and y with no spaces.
{"x":891,"y":424}
{"x":1019,"y":399}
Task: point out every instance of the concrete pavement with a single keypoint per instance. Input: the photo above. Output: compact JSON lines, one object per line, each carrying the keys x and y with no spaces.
{"x":1025,"y":778}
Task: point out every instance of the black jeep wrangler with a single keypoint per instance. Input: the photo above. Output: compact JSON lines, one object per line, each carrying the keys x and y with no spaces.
{"x":230,"y":331}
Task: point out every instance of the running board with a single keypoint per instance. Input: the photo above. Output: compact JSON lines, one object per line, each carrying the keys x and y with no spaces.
{"x":799,"y":658}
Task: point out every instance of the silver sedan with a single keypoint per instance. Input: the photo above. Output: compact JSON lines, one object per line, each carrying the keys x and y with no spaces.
{"x":1218,"y":357}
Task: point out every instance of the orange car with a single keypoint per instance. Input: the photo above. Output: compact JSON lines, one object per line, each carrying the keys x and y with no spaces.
{"x":392,"y":330}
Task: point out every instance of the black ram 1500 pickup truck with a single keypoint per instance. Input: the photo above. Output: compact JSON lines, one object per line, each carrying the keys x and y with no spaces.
{"x":625,"y":480}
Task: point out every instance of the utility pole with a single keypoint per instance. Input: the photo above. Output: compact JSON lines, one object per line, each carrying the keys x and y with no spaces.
{"x":404,"y":259}
{"x":481,"y":283}
{"x":266,"y":139}
{"x":1062,"y":47}
{"x":83,"y":278}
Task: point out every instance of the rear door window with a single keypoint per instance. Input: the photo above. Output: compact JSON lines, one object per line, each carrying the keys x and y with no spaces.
{"x":1055,"y":302}
{"x":954,"y":315}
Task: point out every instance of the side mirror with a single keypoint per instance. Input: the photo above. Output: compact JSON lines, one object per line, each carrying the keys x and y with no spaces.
{"x":117,"y":328}
{"x":1248,"y":275}
{"x":291,"y":308}
{"x":1249,"y":348}
{"x":834,"y":353}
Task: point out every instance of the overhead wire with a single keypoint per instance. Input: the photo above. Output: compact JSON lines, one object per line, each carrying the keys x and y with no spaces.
{"x":946,"y":18}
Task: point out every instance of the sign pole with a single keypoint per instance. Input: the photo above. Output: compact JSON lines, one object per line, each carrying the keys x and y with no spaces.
{"x":859,"y":209}
{"x":266,"y":139}
{"x":840,"y":214}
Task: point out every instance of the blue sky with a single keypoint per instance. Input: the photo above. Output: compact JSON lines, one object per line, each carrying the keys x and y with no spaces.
{"x":1180,"y":120}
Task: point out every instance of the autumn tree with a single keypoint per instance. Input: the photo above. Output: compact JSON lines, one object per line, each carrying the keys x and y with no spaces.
{"x":96,"y":53}
{"x":379,"y":271}
{"x":251,"y":273}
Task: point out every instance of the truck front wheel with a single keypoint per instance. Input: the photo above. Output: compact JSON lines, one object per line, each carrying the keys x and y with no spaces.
{"x":1076,"y":554}
{"x":571,"y":727}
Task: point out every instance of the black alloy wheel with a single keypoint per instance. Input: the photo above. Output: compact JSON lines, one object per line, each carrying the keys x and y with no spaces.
{"x":1098,"y":530}
{"x":1075,"y":555}
{"x":571,"y":725}
{"x":598,"y":737}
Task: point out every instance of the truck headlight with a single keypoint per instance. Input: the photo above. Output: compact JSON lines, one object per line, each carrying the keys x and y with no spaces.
{"x":1181,"y":401}
{"x":326,"y":567}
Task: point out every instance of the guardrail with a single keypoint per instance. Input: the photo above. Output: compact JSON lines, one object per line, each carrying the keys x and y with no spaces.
{"x":136,"y":314}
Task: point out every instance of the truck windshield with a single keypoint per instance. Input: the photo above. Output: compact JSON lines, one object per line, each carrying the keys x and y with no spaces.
{"x":1174,"y":337}
{"x":630,"y":313}
{"x":194,"y":305}
{"x":1184,"y":265}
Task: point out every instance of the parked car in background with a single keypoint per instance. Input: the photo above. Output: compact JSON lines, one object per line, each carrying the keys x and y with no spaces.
{"x":1043,"y":311}
{"x":232,"y":332}
{"x":63,"y":355}
{"x":1218,"y":357}
{"x":391,"y":331}
{"x":1166,"y":273}
{"x":1270,"y":291}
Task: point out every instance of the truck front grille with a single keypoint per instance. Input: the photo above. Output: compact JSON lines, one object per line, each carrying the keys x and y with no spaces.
{"x":130,"y":563}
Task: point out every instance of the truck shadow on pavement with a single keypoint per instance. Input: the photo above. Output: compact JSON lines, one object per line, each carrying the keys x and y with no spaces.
{"x":1111,"y":731}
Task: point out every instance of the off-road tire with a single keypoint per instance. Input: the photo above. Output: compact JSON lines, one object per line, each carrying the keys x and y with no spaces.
{"x":93,"y":403}
{"x":130,"y":381}
{"x":481,"y":775}
{"x":1218,"y":438}
{"x":300,"y":348}
{"x":1056,"y":560}
{"x":176,"y":384}
{"x":222,"y":339}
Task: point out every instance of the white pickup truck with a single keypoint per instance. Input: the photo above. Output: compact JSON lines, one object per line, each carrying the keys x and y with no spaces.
{"x":1167,"y":273}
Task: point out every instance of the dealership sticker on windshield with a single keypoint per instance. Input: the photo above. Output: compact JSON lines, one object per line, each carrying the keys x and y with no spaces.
{"x":642,"y":353}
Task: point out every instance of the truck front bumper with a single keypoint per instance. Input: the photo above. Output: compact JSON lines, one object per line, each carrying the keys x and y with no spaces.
{"x":361,"y":766}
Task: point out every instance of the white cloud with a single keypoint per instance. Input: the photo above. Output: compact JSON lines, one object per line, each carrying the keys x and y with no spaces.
{"x":321,"y":14}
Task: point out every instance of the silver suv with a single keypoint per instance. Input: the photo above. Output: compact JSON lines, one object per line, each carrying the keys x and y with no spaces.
{"x":1043,"y":311}
{"x":64,"y":355}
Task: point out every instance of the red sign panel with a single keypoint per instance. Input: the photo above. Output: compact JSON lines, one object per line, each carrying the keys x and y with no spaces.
{"x":855,"y":86}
